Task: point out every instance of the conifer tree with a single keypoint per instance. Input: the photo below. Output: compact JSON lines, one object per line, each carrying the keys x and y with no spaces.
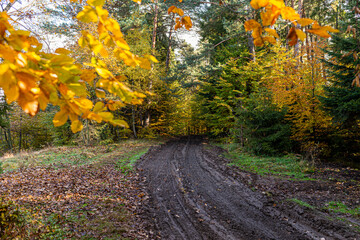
{"x":342,"y":98}
{"x":342,"y":94}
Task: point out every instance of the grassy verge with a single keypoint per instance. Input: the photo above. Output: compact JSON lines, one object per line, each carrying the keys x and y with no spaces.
{"x":60,"y":157}
{"x":287,"y":166}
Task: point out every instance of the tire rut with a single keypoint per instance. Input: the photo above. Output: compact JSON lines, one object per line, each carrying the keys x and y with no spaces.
{"x":192,"y":198}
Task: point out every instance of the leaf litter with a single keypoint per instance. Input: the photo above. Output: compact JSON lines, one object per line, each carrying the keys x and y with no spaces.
{"x":94,"y":200}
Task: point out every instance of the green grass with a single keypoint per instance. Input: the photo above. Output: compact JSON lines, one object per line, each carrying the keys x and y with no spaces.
{"x":287,"y":166}
{"x":301,"y":203}
{"x":340,"y":207}
{"x":126,"y":153}
{"x":127,"y":162}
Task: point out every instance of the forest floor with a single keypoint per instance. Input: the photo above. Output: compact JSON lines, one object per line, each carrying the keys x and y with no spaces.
{"x":76,"y":192}
{"x":183,"y":189}
{"x":196,"y":194}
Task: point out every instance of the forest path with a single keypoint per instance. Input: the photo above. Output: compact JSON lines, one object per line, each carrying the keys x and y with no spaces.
{"x":193,"y":197}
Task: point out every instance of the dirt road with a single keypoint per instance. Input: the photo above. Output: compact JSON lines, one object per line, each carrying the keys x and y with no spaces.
{"x":193,"y":197}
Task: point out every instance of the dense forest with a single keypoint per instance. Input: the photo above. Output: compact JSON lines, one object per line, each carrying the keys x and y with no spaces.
{"x":271,"y":98}
{"x":180,"y":119}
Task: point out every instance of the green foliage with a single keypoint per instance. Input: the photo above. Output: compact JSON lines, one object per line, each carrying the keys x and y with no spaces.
{"x":264,"y":126}
{"x":342,"y":96}
{"x":342,"y":99}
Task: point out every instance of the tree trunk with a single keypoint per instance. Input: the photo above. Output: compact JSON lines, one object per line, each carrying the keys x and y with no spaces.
{"x":133,"y":121}
{"x":153,"y":48}
{"x":7,"y":8}
{"x":169,"y":47}
{"x":155,"y":25}
{"x":8,"y":133}
{"x":300,"y":6}
{"x":20,"y":131}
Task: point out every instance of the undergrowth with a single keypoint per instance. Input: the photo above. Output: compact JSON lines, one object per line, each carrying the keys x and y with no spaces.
{"x":287,"y":166}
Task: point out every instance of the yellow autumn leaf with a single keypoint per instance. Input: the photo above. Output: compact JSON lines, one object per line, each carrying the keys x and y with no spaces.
{"x":88,"y":75}
{"x":186,"y":21}
{"x":73,"y":117}
{"x":269,"y":39}
{"x":288,"y":13}
{"x":151,"y":58}
{"x":7,"y":53}
{"x":256,"y":4}
{"x":60,"y":118}
{"x":76,"y":126}
{"x":28,"y":103}
{"x":102,"y":13}
{"x":176,"y":10}
{"x":122,"y":44}
{"x":320,"y":32}
{"x":305,"y":21}
{"x":107,"y":116}
{"x":96,"y":3}
{"x":277,"y":3}
{"x":257,"y":32}
{"x":272,"y":32}
{"x":251,"y":25}
{"x":258,"y":42}
{"x":266,"y":17}
{"x":84,"y":103}
{"x":62,"y":51}
{"x":74,"y":108}
{"x":99,"y":106}
{"x":178,"y":25}
{"x":104,"y":73}
{"x":87,"y":15}
{"x":100,"y":93}
{"x":301,"y":35}
{"x":330,"y":29}
{"x":120,"y":123}
{"x":12,"y":93}
{"x":43,"y":101}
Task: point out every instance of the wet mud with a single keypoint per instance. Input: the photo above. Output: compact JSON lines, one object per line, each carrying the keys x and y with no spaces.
{"x":195,"y":195}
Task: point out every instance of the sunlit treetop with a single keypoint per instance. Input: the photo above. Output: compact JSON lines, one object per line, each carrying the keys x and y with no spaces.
{"x":271,"y":10}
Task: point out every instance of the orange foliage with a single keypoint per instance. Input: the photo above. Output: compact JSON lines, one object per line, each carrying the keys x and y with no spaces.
{"x":271,"y":11}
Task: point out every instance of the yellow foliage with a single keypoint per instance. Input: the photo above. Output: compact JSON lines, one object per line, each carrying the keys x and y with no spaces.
{"x":176,"y":10}
{"x":270,"y":13}
{"x":34,"y":78}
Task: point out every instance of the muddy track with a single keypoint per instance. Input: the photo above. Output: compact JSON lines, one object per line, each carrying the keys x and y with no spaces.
{"x":193,"y":197}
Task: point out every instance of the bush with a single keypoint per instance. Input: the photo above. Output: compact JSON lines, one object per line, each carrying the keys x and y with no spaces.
{"x":264,"y":126}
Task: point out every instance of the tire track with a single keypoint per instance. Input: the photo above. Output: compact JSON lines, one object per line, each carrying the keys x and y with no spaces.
{"x":193,"y":199}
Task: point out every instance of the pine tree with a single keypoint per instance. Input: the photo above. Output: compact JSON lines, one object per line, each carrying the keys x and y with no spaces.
{"x":342,"y":98}
{"x":342,"y":94}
